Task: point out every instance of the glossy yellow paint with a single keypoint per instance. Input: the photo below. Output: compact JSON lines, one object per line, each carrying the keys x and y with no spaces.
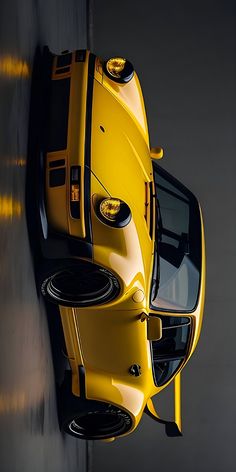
{"x":108,"y":339}
{"x":129,"y":95}
{"x":131,"y":98}
{"x":177,"y":387}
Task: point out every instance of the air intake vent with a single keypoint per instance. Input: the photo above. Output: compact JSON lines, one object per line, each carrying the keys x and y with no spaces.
{"x":64,"y":60}
{"x":58,"y":115}
{"x":57,"y":177}
{"x":63,"y":70}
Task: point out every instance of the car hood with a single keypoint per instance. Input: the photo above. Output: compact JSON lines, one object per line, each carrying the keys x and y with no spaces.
{"x":120,"y":156}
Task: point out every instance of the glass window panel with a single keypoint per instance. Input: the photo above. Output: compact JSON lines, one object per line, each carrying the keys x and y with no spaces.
{"x":169,"y":352}
{"x":178,"y":246}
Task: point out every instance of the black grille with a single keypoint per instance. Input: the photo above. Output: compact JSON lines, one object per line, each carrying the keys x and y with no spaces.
{"x":64,"y":60}
{"x":57,"y":177}
{"x":57,"y":163}
{"x":58,"y":115}
{"x":64,"y":70}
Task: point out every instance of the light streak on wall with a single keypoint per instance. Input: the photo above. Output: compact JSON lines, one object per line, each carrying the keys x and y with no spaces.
{"x":14,"y":67}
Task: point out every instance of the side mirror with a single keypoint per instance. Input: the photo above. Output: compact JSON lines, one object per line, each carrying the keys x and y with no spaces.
{"x":154,"y":327}
{"x":156,"y":152}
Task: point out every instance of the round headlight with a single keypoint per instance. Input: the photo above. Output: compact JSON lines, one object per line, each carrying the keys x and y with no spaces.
{"x":109,"y":208}
{"x":115,"y":66}
{"x":118,"y":69}
{"x":114,"y":212}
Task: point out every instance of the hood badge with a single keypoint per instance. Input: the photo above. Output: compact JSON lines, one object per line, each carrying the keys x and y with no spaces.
{"x":135,"y":370}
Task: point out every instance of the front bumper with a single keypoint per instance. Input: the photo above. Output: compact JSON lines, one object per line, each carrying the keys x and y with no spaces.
{"x":67,"y":146}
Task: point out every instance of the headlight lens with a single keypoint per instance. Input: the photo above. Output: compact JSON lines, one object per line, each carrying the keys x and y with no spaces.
{"x":115,"y":66}
{"x":113,"y":212}
{"x":110,"y":208}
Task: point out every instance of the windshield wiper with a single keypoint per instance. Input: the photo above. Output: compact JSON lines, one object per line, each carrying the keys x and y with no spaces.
{"x":156,"y":272}
{"x":159,"y":225}
{"x":158,"y":238}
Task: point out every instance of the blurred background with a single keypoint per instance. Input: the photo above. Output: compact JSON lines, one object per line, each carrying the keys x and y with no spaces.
{"x":184,"y":54}
{"x":30,"y":438}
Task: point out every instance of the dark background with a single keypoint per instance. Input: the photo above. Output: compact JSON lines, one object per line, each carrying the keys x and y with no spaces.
{"x":184,"y":53}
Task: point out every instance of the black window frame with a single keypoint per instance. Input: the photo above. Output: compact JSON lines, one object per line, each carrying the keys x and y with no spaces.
{"x":182,"y":357}
{"x":195,"y":234}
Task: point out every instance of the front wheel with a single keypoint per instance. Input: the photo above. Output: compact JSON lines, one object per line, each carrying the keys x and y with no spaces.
{"x":79,"y":283}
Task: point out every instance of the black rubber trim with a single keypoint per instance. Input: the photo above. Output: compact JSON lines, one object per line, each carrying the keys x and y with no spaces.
{"x":58,"y":115}
{"x":87,"y":149}
{"x":151,"y":210}
{"x":82,"y":381}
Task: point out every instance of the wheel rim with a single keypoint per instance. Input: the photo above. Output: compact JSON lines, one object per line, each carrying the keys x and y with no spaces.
{"x":80,"y":285}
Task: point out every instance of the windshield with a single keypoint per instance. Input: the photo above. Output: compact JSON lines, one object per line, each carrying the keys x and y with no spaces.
{"x":169,"y":352}
{"x":177,"y":263}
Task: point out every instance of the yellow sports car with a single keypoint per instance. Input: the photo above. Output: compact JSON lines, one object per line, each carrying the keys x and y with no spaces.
{"x":123,"y":248}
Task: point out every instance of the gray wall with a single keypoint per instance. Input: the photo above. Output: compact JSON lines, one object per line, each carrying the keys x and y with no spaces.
{"x":184,"y":52}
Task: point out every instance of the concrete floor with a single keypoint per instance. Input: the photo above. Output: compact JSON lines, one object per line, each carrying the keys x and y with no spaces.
{"x":30,"y":438}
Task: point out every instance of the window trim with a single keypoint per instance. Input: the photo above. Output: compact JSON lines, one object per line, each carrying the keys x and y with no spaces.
{"x":184,"y":357}
{"x":194,"y":210}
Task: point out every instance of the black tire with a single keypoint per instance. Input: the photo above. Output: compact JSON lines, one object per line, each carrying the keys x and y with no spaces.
{"x":90,"y":419}
{"x":78,"y":283}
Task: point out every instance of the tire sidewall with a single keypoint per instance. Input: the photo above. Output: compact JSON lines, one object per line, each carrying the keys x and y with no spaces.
{"x":99,"y":409}
{"x":59,"y":266}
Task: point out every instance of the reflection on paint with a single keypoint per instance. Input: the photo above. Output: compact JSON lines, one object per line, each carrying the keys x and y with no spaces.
{"x":132,"y":398}
{"x":9,"y":207}
{"x":11,"y":66}
{"x":18,"y":162}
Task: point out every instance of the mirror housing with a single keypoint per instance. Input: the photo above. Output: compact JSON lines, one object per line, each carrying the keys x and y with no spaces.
{"x":156,"y":152}
{"x":154,"y":327}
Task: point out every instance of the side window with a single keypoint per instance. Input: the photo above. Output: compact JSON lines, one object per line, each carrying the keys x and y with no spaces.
{"x":178,"y":238}
{"x":169,"y":352}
